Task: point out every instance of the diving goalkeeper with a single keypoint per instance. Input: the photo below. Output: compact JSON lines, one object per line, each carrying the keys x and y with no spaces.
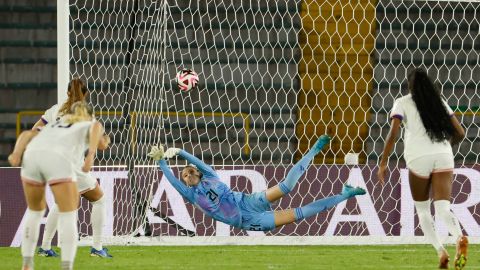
{"x":252,"y":212}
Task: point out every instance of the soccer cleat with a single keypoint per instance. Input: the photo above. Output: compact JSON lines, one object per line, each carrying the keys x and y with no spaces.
{"x":461,"y":256}
{"x":103,"y":253}
{"x":47,"y":252}
{"x":444,"y":259}
{"x":349,"y":191}
{"x":321,"y":142}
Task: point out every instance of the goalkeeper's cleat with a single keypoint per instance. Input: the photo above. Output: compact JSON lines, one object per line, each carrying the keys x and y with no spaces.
{"x":103,"y":253}
{"x":444,"y":259}
{"x":349,"y":191}
{"x":321,"y":142}
{"x":46,"y":252}
{"x":461,"y":256}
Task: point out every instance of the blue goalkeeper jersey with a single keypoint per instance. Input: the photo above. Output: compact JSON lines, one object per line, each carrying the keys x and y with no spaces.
{"x":212,"y":196}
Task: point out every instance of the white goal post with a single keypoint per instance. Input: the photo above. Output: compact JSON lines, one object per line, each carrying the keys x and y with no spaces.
{"x":274,"y":75}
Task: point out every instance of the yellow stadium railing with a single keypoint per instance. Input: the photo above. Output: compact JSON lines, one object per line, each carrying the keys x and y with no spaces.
{"x":245,"y":119}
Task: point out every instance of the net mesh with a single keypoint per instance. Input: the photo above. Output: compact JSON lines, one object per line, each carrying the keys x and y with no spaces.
{"x":274,"y":75}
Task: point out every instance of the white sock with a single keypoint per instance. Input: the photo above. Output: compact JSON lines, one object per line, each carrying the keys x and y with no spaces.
{"x":31,"y":229}
{"x":68,"y":234}
{"x":50,"y":227}
{"x":99,"y":213}
{"x":428,"y":225}
{"x":442,"y":211}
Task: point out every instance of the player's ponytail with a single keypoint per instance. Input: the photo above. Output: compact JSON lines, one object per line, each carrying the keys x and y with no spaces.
{"x":76,"y":92}
{"x":430,"y":106}
{"x":80,"y":111}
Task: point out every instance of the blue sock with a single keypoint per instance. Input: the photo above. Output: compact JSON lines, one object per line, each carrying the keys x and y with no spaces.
{"x":294,"y":174}
{"x":318,"y":206}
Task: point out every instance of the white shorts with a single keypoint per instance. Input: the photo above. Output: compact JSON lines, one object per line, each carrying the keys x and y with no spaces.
{"x":85,"y":181}
{"x":426,"y":165}
{"x":40,"y":167}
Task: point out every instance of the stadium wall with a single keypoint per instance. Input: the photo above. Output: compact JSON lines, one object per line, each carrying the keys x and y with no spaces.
{"x":383,"y":216}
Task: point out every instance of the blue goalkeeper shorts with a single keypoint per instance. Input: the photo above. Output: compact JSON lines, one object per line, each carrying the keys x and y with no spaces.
{"x":257,"y":214}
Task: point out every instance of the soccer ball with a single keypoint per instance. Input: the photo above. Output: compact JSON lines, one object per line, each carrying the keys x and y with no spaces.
{"x":187,"y":79}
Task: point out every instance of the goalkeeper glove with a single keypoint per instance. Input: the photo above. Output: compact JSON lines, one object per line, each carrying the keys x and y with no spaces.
{"x":156,"y":153}
{"x":171,"y":152}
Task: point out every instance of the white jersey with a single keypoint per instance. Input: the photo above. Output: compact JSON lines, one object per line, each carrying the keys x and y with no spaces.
{"x":51,"y":115}
{"x":416,"y":141}
{"x":68,"y":140}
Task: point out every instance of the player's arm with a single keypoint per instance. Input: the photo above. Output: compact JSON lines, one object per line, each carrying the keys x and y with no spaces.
{"x":39,"y":124}
{"x":104,"y":142}
{"x":388,"y":147}
{"x":177,"y":184}
{"x":15,"y":158}
{"x":94,"y":136}
{"x":206,"y":170}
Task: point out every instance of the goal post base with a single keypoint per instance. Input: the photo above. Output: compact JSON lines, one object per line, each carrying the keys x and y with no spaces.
{"x":266,"y":240}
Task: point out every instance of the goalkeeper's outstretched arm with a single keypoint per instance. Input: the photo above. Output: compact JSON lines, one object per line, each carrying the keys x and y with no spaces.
{"x":206,"y":170}
{"x":177,"y":184}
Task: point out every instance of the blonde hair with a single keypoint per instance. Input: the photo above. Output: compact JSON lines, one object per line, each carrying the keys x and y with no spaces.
{"x":80,"y":111}
{"x":76,"y":92}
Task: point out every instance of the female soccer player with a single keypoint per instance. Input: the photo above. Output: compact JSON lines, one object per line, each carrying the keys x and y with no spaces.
{"x":246,"y":211}
{"x":430,"y":130}
{"x":49,"y":159}
{"x":87,"y":184}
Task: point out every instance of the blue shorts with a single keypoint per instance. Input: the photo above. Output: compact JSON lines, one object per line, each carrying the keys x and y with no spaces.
{"x":257,"y":214}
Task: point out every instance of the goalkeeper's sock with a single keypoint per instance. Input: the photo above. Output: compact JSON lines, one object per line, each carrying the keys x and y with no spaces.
{"x":318,"y":206}
{"x":50,"y":227}
{"x":31,"y":229}
{"x":428,"y":225}
{"x":299,"y":169}
{"x":68,"y":233}
{"x":99,"y":212}
{"x":442,"y":210}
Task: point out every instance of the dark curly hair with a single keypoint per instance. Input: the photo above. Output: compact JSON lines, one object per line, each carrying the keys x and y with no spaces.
{"x":429,"y":104}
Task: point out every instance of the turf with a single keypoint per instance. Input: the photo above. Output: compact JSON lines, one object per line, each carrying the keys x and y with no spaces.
{"x":250,"y":257}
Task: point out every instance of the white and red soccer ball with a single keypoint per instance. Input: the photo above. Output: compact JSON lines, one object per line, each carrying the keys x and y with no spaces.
{"x":187,"y":79}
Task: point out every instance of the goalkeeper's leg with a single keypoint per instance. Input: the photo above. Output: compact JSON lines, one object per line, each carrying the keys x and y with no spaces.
{"x":311,"y":209}
{"x":297,"y":171}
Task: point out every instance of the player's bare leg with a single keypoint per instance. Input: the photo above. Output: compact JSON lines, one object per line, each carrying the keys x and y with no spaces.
{"x":420,"y":190}
{"x":442,"y":190}
{"x":66,"y":196}
{"x":98,"y":216}
{"x":35,"y":197}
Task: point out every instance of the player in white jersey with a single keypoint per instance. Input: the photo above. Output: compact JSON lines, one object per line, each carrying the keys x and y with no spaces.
{"x":87,"y":184}
{"x":48,"y":158}
{"x":430,"y":130}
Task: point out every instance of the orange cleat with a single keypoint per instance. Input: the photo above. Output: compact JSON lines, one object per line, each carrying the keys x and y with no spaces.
{"x":461,"y":256}
{"x":444,"y":259}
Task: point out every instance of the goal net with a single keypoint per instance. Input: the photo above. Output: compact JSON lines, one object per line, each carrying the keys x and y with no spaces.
{"x":274,"y":76}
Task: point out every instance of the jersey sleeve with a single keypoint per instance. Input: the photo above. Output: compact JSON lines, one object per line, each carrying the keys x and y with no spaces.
{"x":449,"y":110}
{"x":177,"y":184}
{"x":50,"y":115}
{"x":206,"y":170}
{"x":397,"y":110}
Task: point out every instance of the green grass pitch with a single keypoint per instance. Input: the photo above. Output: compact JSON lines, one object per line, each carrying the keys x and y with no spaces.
{"x":251,"y":257}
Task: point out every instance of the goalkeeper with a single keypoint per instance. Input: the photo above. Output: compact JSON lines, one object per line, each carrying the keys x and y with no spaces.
{"x":252,"y":212}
